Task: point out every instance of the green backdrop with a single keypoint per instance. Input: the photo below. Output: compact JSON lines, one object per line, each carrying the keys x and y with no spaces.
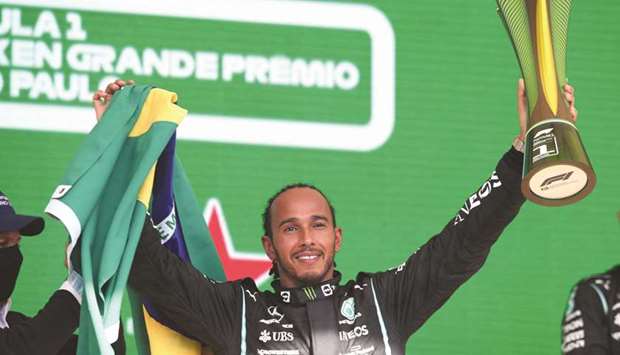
{"x":455,"y":79}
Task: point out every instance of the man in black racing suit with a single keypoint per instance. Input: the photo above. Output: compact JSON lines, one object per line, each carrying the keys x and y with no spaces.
{"x":310,"y":311}
{"x":591,"y":323}
{"x":375,"y":314}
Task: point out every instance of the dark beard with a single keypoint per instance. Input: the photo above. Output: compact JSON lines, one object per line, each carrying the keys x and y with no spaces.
{"x":310,"y":280}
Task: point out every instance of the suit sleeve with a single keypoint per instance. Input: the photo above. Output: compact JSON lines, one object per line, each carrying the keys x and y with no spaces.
{"x":47,"y":332}
{"x":584,"y":326}
{"x":185,"y":299}
{"x":413,"y":291}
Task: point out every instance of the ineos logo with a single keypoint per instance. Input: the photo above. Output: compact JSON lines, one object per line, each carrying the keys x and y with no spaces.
{"x":355,"y":333}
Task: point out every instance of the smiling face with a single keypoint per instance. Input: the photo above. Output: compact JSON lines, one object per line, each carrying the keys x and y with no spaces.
{"x":304,"y":240}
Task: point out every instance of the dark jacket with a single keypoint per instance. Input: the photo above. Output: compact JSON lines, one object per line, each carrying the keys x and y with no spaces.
{"x":591,"y":323}
{"x":373,"y":314}
{"x":50,"y":331}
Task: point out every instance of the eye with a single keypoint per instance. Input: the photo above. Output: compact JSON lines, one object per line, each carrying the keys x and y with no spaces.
{"x":319,"y":225}
{"x":291,"y":228}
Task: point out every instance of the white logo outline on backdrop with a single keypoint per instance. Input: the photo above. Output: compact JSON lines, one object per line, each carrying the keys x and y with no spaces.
{"x":249,"y":130}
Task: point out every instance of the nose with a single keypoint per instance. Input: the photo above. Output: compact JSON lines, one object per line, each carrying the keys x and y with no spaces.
{"x":306,"y":237}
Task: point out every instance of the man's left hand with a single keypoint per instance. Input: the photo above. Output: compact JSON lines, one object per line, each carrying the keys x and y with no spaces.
{"x":522,"y":107}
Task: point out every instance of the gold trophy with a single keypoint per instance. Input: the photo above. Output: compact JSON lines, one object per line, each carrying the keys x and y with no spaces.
{"x":556,"y":168}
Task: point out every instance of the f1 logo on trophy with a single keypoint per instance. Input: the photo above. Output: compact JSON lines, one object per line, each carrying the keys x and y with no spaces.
{"x":556,"y":168}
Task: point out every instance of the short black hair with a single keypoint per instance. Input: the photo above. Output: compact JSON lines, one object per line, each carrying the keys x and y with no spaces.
{"x":267,"y":213}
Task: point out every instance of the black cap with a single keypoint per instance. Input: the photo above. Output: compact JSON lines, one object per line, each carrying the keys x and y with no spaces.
{"x":10,"y":221}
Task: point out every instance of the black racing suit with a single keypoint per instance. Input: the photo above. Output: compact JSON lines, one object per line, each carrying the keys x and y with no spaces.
{"x":375,"y":314}
{"x":591,"y":323}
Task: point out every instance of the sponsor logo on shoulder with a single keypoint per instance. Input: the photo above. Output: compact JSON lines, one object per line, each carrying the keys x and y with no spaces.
{"x":605,"y":282}
{"x":400,"y":267}
{"x":252,"y":295}
{"x":360,"y":287}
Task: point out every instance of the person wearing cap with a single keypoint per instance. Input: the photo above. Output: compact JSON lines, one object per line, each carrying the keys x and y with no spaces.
{"x":51,"y":330}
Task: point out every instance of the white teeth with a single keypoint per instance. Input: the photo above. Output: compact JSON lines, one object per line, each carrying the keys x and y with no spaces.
{"x":308,"y":257}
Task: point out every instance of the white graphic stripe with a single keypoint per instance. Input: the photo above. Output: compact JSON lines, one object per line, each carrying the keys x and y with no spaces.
{"x":602,"y":297}
{"x":386,"y":340}
{"x":243,"y":331}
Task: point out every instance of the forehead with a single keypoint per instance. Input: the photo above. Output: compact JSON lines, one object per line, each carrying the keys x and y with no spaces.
{"x":299,"y":202}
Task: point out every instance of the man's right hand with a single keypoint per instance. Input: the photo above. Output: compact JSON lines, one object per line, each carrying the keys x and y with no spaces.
{"x":101,"y":98}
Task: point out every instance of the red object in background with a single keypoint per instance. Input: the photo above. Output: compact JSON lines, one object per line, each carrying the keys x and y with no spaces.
{"x":237,"y":265}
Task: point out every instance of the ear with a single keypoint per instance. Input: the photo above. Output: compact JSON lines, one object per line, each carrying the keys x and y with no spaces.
{"x":268,"y":246}
{"x":338,"y":232}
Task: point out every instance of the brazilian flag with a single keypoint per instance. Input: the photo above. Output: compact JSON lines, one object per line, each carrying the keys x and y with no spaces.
{"x":124,"y":170}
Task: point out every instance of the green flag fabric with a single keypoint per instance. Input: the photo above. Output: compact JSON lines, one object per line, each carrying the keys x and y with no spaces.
{"x":103,"y":198}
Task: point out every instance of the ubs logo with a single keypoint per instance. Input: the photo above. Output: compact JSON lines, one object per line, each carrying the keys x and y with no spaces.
{"x":282,"y":336}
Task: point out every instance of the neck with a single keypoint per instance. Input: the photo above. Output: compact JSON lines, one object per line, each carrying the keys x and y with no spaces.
{"x":290,"y":282}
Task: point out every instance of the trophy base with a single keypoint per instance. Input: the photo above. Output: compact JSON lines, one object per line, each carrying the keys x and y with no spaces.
{"x":556,"y":169}
{"x":556,"y":185}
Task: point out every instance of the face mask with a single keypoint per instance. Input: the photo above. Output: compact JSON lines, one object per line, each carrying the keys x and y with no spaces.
{"x":10,"y":262}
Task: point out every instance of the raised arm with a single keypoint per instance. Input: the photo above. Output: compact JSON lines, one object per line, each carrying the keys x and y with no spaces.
{"x":413,"y":291}
{"x":183,"y":298}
